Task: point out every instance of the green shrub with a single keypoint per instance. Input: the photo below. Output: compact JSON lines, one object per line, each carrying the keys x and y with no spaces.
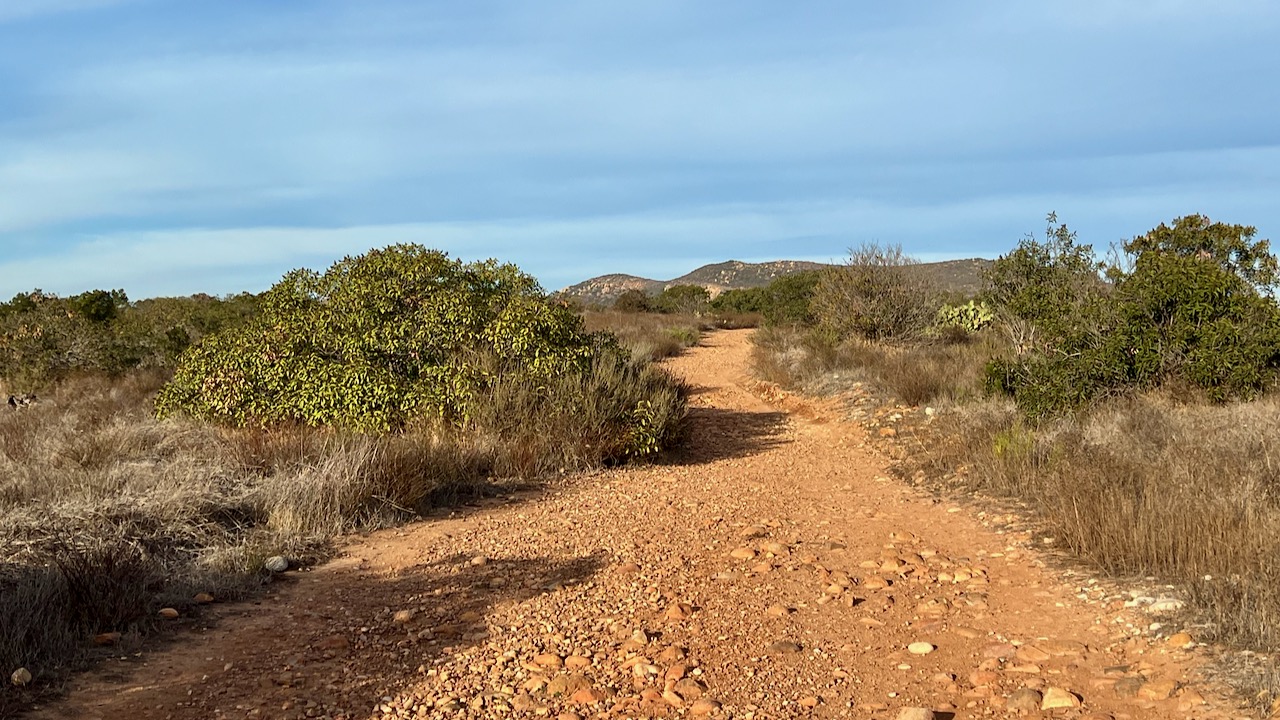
{"x":682,"y":300}
{"x":397,"y":337}
{"x":785,"y":301}
{"x":633,"y":301}
{"x":45,"y":339}
{"x":1191,"y":311}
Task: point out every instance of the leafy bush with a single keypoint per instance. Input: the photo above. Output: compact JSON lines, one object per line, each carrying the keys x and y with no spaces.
{"x":872,"y":297}
{"x":45,"y":339}
{"x":682,"y":300}
{"x":633,"y":301}
{"x":1192,"y":310}
{"x":785,"y":301}
{"x":394,"y":337}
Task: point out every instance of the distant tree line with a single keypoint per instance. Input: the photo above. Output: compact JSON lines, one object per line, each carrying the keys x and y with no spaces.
{"x":45,"y":338}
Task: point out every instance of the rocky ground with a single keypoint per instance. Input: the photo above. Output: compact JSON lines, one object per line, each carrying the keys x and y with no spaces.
{"x":770,"y":571}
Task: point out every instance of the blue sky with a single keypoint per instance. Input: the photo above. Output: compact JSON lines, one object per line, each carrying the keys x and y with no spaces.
{"x":174,"y":147}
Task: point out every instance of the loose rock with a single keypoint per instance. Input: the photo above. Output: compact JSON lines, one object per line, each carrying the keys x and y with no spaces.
{"x":1055,"y":698}
{"x":1025,"y":700}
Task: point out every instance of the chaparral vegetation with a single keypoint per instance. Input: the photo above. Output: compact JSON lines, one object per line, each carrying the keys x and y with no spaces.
{"x":176,"y":444}
{"x":1129,"y":400}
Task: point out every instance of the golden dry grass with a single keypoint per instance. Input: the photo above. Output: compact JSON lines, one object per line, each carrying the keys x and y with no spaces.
{"x":108,"y":515}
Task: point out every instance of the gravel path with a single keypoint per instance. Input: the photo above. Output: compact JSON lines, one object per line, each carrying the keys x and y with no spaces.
{"x":771,"y":571}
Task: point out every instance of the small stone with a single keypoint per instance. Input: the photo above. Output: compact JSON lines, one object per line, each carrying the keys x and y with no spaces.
{"x":742,"y":553}
{"x":679,"y":611}
{"x":1189,"y":698}
{"x":1181,"y":641}
{"x":921,"y":648}
{"x":671,"y":655}
{"x":916,"y":713}
{"x":1056,"y":697}
{"x":588,"y":696}
{"x":876,"y":583}
{"x":107,"y":638}
{"x":704,"y":707}
{"x":778,"y":611}
{"x":1158,"y":690}
{"x":168,"y":614}
{"x":203,"y":599}
{"x":20,"y":677}
{"x":1032,"y":654}
{"x":479,"y":561}
{"x":335,"y":642}
{"x":888,"y":432}
{"x":276,"y":564}
{"x":403,"y":617}
{"x":577,"y":662}
{"x":549,"y":660}
{"x":810,"y":703}
{"x":1025,"y":700}
{"x":785,"y":647}
{"x":1128,"y":687}
{"x":629,"y":568}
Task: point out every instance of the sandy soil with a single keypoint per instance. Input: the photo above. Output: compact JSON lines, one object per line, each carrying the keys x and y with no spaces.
{"x":772,"y":570}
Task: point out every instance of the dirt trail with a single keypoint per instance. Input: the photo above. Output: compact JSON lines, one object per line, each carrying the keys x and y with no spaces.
{"x":772,"y":571}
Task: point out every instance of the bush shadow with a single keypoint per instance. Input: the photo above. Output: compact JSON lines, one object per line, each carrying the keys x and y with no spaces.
{"x":714,"y":434}
{"x":297,"y":649}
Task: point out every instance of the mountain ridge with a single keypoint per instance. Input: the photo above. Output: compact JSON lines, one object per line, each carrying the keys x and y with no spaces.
{"x":959,"y":276}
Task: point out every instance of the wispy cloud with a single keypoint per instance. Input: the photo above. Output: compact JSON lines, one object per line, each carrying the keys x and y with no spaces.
{"x":583,"y":138}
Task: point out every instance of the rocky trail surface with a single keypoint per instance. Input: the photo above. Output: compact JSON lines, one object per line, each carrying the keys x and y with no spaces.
{"x":769,"y":571}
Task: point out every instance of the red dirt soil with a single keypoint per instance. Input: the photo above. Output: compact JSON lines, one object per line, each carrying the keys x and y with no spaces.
{"x":769,"y":570}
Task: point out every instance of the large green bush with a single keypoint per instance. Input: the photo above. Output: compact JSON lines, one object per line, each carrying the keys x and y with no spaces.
{"x":395,"y":337}
{"x":1193,"y":308}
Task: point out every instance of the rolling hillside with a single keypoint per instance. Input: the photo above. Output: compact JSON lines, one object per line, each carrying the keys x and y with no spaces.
{"x":961,"y":276}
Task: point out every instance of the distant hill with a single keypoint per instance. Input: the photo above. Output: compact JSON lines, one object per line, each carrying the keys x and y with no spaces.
{"x":960,"y":276}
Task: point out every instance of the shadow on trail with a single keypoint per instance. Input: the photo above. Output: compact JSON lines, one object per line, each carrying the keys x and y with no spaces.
{"x":717,"y":434}
{"x":348,"y":619}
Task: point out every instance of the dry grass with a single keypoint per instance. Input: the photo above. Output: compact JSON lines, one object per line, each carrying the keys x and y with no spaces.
{"x":649,"y":336}
{"x":1146,"y":486}
{"x":929,"y":372}
{"x":108,"y":515}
